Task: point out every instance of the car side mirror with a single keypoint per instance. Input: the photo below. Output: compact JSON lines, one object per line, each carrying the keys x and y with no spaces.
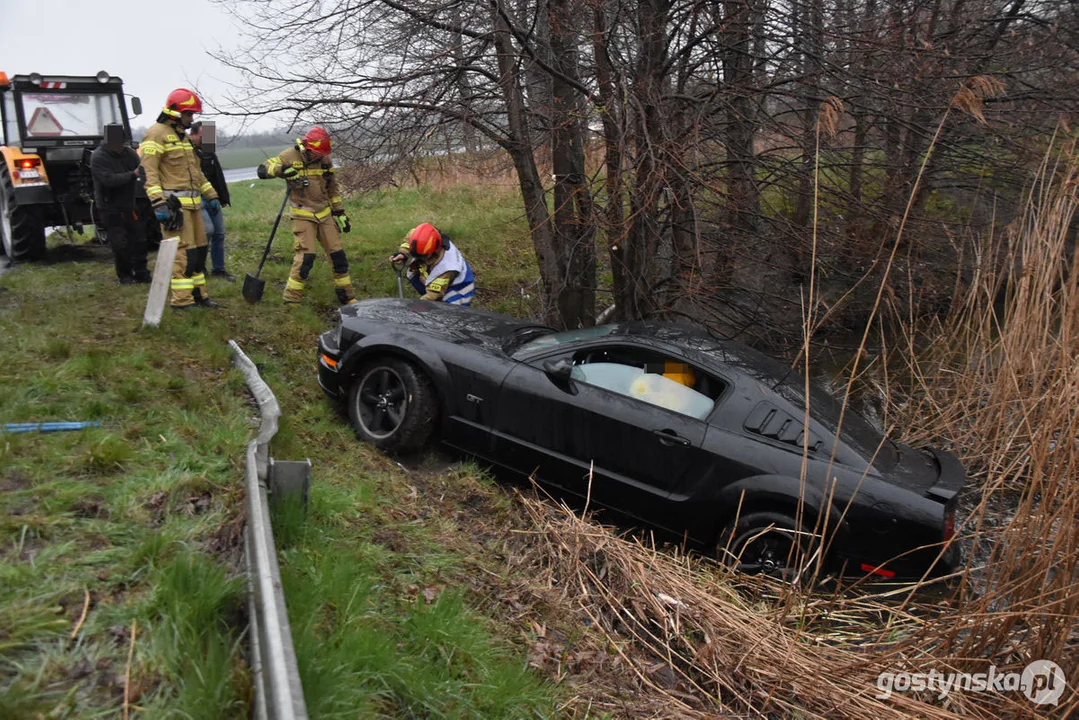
{"x":559,"y":369}
{"x":136,"y":106}
{"x":560,"y":372}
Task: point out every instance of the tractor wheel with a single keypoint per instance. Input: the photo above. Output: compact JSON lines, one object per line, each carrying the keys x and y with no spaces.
{"x":21,"y":233}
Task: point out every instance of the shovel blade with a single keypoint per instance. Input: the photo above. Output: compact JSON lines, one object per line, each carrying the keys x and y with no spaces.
{"x":253,"y":287}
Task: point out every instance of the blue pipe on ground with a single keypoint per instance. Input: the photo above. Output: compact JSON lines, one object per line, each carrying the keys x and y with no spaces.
{"x":47,"y":426}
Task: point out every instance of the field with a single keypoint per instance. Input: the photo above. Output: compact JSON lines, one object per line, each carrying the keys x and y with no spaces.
{"x":233,"y":158}
{"x":428,"y":588}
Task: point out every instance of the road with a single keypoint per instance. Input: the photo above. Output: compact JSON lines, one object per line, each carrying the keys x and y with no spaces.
{"x":240,"y":174}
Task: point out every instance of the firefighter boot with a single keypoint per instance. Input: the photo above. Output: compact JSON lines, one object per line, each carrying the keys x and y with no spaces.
{"x":202,"y":300}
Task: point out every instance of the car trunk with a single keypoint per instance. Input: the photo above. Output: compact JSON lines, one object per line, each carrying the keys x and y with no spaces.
{"x":931,"y":473}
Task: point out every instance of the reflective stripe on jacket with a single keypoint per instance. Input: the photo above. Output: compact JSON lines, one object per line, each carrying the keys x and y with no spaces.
{"x":171,"y":164}
{"x":450,"y":279}
{"x":321,"y":190}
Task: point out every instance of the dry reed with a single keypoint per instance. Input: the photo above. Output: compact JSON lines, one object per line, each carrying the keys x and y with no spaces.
{"x":998,"y":382}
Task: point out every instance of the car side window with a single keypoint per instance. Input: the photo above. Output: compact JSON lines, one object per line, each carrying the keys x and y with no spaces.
{"x":649,"y":377}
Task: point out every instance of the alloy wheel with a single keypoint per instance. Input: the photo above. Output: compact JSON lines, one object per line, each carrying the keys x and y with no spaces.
{"x":770,"y":551}
{"x":382,"y":401}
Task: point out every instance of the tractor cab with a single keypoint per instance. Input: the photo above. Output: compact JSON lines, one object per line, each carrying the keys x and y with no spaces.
{"x":50,"y":125}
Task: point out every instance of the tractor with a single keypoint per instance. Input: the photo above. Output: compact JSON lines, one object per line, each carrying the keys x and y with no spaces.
{"x":50,"y":126}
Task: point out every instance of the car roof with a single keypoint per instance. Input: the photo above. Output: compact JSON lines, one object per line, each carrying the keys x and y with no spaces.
{"x":707,"y":348}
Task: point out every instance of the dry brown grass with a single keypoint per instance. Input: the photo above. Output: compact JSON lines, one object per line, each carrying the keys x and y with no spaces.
{"x":437,"y":172}
{"x":1001,"y":388}
{"x":661,"y":634}
{"x":697,"y":646}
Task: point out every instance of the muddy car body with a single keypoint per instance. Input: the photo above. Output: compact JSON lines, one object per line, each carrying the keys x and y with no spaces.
{"x":700,"y":437}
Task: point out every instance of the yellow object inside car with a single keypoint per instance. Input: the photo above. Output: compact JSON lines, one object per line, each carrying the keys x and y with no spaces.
{"x":680,"y":373}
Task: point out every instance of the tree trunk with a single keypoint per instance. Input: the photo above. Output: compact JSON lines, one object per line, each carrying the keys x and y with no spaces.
{"x":519,"y":146}
{"x":612,"y":114}
{"x":744,"y":196}
{"x":574,"y":227}
{"x":638,"y":253}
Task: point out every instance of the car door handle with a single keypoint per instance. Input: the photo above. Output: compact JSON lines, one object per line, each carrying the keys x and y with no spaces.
{"x":670,"y":437}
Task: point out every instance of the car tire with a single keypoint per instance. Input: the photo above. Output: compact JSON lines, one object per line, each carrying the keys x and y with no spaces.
{"x":392,"y":405}
{"x":761,"y":543}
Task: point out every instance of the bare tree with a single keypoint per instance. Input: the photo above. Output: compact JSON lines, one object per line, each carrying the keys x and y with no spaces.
{"x":712,"y":183}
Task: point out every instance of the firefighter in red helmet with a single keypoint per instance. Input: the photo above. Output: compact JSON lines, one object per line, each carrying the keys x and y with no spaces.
{"x":177,"y":188}
{"x":317,"y":212}
{"x":436,"y":268}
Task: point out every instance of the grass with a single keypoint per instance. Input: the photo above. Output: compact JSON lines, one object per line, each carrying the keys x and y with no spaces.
{"x":430,"y":590}
{"x":142,"y":514}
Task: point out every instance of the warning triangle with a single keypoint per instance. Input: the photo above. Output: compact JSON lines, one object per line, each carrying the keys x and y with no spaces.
{"x":44,"y":123}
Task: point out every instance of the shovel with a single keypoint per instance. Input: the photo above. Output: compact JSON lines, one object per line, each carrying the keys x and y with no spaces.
{"x":399,"y":269}
{"x":253,"y":284}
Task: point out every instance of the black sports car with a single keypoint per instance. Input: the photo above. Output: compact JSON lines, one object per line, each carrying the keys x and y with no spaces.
{"x":701,"y":437}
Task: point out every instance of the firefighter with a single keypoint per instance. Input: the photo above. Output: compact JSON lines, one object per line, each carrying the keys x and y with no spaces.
{"x":176,"y":187}
{"x":317,"y":212}
{"x":436,"y":268}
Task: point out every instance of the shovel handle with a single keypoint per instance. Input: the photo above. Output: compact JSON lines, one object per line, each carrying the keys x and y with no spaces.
{"x":276,"y":222}
{"x":399,"y":269}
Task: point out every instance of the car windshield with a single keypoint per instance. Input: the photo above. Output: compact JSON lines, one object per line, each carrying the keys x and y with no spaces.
{"x":52,"y":114}
{"x":555,"y":339}
{"x":825,"y":408}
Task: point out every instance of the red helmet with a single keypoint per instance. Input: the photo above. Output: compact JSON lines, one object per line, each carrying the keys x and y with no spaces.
{"x":181,"y":100}
{"x":424,"y":239}
{"x":317,"y":141}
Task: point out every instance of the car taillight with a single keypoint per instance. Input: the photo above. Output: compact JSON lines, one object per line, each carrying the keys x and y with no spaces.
{"x":949,"y":524}
{"x":28,"y":163}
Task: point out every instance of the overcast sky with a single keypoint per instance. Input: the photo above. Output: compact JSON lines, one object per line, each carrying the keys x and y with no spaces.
{"x":140,"y":41}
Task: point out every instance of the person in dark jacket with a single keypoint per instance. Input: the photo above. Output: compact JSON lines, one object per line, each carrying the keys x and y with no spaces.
{"x":116,"y":176}
{"x":215,"y":223}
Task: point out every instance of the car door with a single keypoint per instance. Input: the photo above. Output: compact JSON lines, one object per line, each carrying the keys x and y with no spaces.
{"x":565,"y":430}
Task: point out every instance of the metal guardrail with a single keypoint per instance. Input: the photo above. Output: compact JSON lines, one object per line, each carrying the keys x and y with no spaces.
{"x":278,"y":692}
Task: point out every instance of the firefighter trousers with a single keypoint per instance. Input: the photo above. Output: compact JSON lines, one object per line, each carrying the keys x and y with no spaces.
{"x":306,"y":232}
{"x":189,"y":268}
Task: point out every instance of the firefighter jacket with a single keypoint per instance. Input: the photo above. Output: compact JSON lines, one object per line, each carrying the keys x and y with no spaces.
{"x":114,"y":179}
{"x":172,"y":167}
{"x":320,"y":195}
{"x":446,"y":276}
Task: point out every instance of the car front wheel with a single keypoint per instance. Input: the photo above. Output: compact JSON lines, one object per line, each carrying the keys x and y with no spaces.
{"x":767,"y":543}
{"x":392,"y":405}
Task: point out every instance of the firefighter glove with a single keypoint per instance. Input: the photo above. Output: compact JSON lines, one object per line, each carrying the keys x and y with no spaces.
{"x":175,"y":219}
{"x":343,"y":223}
{"x":290,"y":173}
{"x":213,"y":207}
{"x":161,"y":212}
{"x":261,"y":172}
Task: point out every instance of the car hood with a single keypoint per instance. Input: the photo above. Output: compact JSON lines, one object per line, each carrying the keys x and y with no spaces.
{"x":453,"y":323}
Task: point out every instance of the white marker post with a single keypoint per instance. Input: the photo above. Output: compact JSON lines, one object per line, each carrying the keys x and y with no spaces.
{"x":159,"y":288}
